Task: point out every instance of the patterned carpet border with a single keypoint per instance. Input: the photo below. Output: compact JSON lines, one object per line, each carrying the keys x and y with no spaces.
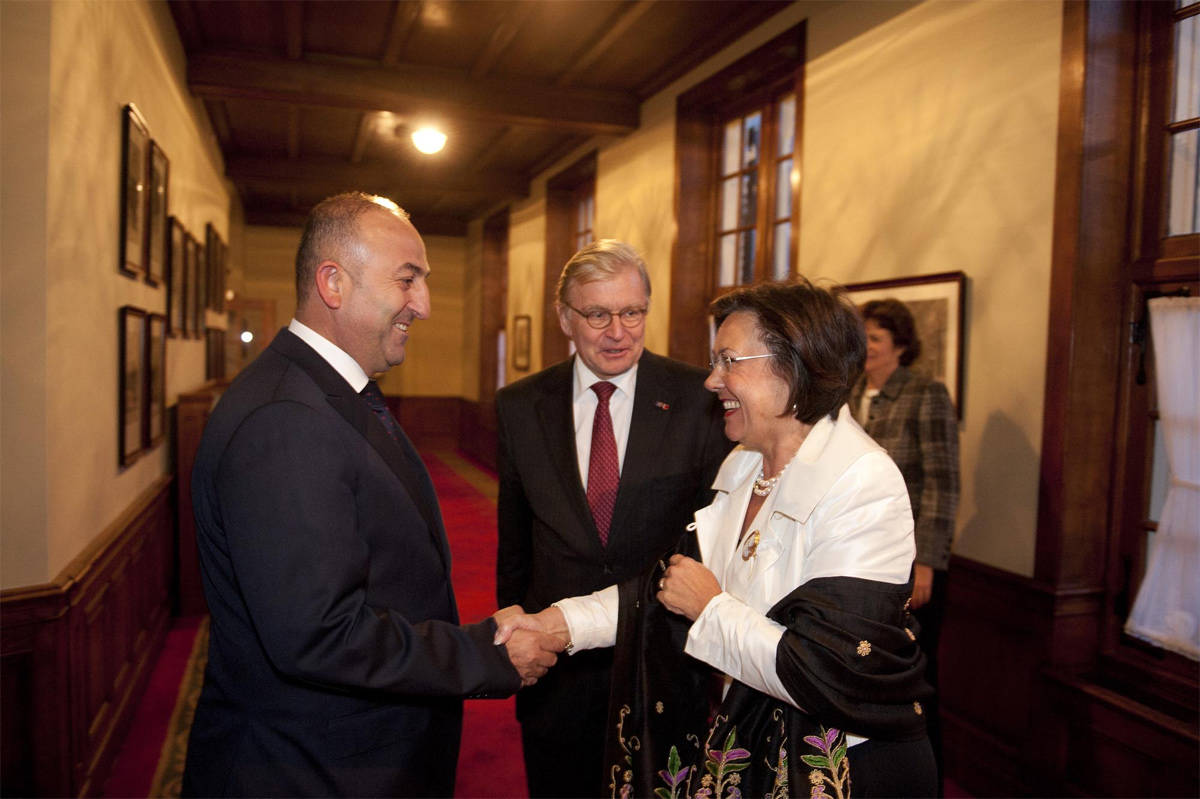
{"x":168,"y":777}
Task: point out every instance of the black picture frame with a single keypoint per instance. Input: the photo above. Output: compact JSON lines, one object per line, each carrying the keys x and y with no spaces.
{"x":155,"y":427}
{"x":156,"y":225}
{"x":176,"y":279}
{"x":200,"y":287}
{"x":195,"y":314}
{"x":938,"y":306}
{"x":214,"y":249}
{"x":134,"y":201}
{"x":214,"y":353}
{"x":131,"y":384}
{"x":522,"y":333}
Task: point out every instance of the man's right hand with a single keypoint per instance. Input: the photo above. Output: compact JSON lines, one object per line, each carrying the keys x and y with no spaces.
{"x":532,"y":654}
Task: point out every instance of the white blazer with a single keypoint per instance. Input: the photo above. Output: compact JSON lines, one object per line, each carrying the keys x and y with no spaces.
{"x":840,"y":509}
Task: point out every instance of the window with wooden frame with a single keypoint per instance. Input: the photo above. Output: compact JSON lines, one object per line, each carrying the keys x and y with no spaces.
{"x":757,"y":194}
{"x":737,"y":197}
{"x":1166,"y":261}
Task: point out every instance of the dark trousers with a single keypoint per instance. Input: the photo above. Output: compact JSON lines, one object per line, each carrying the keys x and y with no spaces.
{"x":563,"y":723}
{"x":891,"y":769}
{"x":930,"y":617}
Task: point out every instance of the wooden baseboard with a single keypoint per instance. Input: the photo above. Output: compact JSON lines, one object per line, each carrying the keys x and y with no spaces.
{"x":77,"y":652}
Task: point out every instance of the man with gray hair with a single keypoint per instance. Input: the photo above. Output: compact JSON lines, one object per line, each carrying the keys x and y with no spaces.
{"x":602,"y":460}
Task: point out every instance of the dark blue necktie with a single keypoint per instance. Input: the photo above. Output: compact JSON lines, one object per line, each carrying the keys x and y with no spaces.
{"x":374,"y":398}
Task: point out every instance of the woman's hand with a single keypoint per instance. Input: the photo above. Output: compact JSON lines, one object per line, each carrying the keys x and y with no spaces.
{"x":687,"y":587}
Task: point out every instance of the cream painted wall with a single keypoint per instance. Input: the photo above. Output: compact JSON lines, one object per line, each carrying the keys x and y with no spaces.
{"x":99,"y":56}
{"x":961,"y":177}
{"x":929,"y":145}
{"x":269,"y":257}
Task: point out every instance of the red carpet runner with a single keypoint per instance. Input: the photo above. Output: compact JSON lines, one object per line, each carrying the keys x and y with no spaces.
{"x":489,"y":763}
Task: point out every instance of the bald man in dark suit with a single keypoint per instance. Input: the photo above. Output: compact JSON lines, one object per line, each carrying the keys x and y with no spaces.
{"x":337,"y":664}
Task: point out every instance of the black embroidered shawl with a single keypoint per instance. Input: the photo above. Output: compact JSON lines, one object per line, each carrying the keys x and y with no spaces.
{"x":849,"y":657}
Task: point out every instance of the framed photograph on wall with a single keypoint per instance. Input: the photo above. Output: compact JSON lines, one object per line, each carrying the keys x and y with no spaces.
{"x":200,"y":286}
{"x":156,"y":380}
{"x":176,"y":279}
{"x":135,"y":169}
{"x":131,"y":384}
{"x":156,"y":225}
{"x":522,"y":326}
{"x":937,"y":303}
{"x":195,"y":313}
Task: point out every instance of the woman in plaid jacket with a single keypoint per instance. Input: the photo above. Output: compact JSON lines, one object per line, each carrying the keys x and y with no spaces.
{"x":913,"y":418}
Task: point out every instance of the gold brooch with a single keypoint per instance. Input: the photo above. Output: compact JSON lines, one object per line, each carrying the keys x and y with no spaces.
{"x":751,"y":547}
{"x":864,"y":648}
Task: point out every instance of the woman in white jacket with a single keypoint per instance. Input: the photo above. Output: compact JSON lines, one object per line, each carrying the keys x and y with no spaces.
{"x":792,"y":590}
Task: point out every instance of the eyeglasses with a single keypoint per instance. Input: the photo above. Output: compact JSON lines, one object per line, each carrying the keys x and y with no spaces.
{"x":599,"y":318}
{"x":724,"y":362}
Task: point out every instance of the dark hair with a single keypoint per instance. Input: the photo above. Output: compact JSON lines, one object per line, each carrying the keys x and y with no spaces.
{"x":894,"y":317}
{"x":815,"y":335}
{"x":331,"y":233}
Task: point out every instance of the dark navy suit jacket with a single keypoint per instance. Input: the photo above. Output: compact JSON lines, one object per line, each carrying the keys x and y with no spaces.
{"x":337,"y":665}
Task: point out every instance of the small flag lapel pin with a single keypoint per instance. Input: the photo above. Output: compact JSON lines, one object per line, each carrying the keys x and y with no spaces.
{"x":662,"y":406}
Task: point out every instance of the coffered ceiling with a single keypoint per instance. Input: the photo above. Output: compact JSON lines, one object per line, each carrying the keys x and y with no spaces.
{"x":311,"y":98}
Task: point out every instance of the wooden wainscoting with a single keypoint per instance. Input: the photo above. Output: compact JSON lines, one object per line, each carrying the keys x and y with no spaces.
{"x":1015,"y":727}
{"x":77,"y":652}
{"x":477,"y":431}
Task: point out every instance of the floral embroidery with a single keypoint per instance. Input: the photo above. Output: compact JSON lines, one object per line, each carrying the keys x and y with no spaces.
{"x":831,"y":767}
{"x":658,"y":707}
{"x":917,"y":708}
{"x":864,"y":648}
{"x":628,"y":746}
{"x":911,"y":635}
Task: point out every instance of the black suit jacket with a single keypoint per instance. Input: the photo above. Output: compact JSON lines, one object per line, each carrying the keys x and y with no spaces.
{"x":336,"y":662}
{"x":548,"y":544}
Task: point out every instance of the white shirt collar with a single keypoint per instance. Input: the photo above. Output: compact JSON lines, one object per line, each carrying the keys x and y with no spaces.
{"x":334,"y":355}
{"x":585,"y":377}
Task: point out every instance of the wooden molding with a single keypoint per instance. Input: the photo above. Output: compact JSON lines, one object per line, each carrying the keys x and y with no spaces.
{"x":401,"y":88}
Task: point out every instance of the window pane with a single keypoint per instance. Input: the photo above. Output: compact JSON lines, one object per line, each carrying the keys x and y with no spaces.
{"x":749,"y":199}
{"x":787,"y":125}
{"x":732,"y":148}
{"x":783,"y":189}
{"x":729,"y":204}
{"x":751,"y":140}
{"x":1158,"y":476}
{"x":746,"y":249}
{"x":1184,"y":200}
{"x":728,"y":259}
{"x":781,"y":268}
{"x":1187,"y":69}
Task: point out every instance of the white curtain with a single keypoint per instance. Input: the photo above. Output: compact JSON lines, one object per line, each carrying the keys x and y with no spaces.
{"x":1167,"y":609}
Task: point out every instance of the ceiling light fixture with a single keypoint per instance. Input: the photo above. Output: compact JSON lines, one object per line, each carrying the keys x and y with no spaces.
{"x":429,"y":140}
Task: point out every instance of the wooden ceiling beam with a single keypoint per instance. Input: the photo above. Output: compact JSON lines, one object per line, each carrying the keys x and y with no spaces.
{"x":404,"y":19}
{"x":293,"y":132}
{"x":335,"y":174}
{"x":501,"y":38}
{"x":366,"y":129}
{"x":625,"y":18}
{"x":409,"y":88}
{"x":293,"y":25}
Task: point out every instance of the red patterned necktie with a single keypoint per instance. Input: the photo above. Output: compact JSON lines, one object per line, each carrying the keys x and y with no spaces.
{"x":603,"y":470}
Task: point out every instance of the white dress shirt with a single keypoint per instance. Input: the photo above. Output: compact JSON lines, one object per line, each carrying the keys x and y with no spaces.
{"x":584,"y":402}
{"x":840,"y":509}
{"x":334,"y":355}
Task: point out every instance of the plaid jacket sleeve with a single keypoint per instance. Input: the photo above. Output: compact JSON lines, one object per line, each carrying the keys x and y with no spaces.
{"x":914,"y":420}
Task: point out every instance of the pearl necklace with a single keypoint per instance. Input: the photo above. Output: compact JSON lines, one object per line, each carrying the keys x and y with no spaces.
{"x":763,"y":488}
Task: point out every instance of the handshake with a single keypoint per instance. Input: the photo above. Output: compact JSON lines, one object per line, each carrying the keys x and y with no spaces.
{"x":532,"y":641}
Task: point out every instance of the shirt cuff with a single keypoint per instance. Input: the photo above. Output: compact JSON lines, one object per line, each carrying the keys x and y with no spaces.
{"x":592,"y":619}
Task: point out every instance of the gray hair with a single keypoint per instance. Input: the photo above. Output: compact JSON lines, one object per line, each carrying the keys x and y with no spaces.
{"x":600,"y":260}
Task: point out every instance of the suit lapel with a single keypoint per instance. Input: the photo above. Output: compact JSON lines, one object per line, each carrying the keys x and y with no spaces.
{"x":557,"y":413}
{"x":400,"y":456}
{"x":653,"y":398}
